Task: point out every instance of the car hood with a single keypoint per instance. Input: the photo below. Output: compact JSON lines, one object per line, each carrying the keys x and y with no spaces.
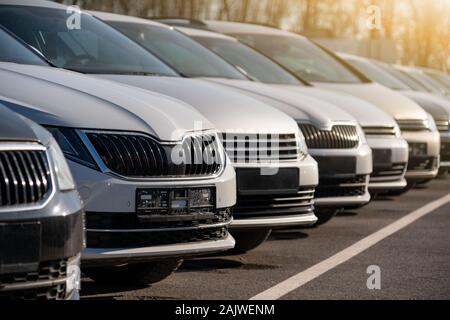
{"x":228,"y":109}
{"x":14,"y":128}
{"x":394,"y":103}
{"x":56,"y":97}
{"x":296,"y":104}
{"x":367,"y":114}
{"x":436,"y":106}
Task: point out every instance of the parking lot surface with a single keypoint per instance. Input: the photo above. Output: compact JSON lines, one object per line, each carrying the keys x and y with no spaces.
{"x":414,"y":262}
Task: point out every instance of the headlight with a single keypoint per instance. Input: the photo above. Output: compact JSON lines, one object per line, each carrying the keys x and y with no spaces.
{"x":60,"y":167}
{"x":361,"y":134}
{"x":73,"y":282}
{"x":72,"y":146}
{"x":431,"y":122}
{"x":302,"y":143}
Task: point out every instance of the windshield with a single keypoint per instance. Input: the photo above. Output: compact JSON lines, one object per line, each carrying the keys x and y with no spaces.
{"x":377,"y":74}
{"x":252,"y":62}
{"x":179,"y":51}
{"x":93,"y":47}
{"x":302,"y":57}
{"x":441,"y":78}
{"x":403,"y":77}
{"x":430,"y":84}
{"x":11,"y":50}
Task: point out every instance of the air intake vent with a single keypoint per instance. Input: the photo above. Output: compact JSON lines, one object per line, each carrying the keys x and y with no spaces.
{"x":414,"y":125}
{"x":139,"y":156}
{"x":24,"y":177}
{"x":340,"y":137}
{"x":249,"y":148}
{"x":379,"y":131}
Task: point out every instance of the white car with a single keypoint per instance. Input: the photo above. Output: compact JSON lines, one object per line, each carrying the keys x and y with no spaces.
{"x":148,"y":204}
{"x":321,"y":67}
{"x":437,"y":106}
{"x":340,"y":186}
{"x":276,"y":177}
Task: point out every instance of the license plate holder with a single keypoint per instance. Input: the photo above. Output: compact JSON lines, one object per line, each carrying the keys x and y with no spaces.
{"x":382,"y":158}
{"x":336,"y":165}
{"x":20,"y":247}
{"x":251,"y":181}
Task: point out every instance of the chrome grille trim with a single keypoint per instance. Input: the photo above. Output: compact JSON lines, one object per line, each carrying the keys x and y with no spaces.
{"x":135,"y":155}
{"x":339,"y":137}
{"x":25,"y":176}
{"x":254,"y":148}
{"x":443,"y":125}
{"x":379,"y":131}
{"x":414,"y":125}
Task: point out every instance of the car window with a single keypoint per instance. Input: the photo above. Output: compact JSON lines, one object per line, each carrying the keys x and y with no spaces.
{"x":377,"y":74}
{"x":302,"y":57}
{"x":252,"y":62}
{"x":442,"y":78}
{"x":94,"y":47}
{"x":403,"y":77}
{"x":11,"y":50}
{"x":179,"y":51}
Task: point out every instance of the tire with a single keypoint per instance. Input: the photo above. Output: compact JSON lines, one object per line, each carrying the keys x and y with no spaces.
{"x":250,"y":239}
{"x":134,"y":274}
{"x":325,"y":215}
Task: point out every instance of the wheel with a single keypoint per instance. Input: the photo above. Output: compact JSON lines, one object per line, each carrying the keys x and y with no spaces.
{"x":133,"y":274}
{"x":250,"y":239}
{"x":325,"y":215}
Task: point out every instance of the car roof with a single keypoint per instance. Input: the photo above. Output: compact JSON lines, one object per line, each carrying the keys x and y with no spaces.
{"x":34,"y":3}
{"x":240,"y":27}
{"x":107,"y":16}
{"x":193,"y":32}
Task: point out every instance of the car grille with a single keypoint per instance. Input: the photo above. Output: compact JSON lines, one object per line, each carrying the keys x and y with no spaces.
{"x":422,"y":163}
{"x":47,"y":271}
{"x":341,"y":187}
{"x":379,"y":131}
{"x":274,"y":205}
{"x":340,"y":137}
{"x":140,"y":156}
{"x":395,"y":172}
{"x":445,"y":150}
{"x":414,"y":125}
{"x":146,"y":239}
{"x":24,"y":177}
{"x":248,"y":148}
{"x":442,"y":125}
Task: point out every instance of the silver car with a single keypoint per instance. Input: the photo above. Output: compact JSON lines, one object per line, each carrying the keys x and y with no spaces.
{"x":199,"y":62}
{"x":276,"y":176}
{"x":321,"y":67}
{"x":156,"y":187}
{"x":394,"y":79}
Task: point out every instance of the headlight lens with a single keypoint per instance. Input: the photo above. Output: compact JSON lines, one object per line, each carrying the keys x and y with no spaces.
{"x":61,"y":169}
{"x":431,"y":122}
{"x":72,"y":146}
{"x":302,"y":143}
{"x":361,"y":134}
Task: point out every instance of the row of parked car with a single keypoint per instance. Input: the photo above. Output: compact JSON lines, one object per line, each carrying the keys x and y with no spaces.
{"x":128,"y":144}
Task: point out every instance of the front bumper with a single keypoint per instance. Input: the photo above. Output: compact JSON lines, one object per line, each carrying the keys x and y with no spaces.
{"x":390,"y":158}
{"x":111,"y":256}
{"x":61,"y":241}
{"x":115,"y":235}
{"x":425,"y":166}
{"x":273,"y":208}
{"x":339,"y":187}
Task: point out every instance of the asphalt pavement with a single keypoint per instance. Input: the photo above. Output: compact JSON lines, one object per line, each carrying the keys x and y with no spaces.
{"x":413,"y":263}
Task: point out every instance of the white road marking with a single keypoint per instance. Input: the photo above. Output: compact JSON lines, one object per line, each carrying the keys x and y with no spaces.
{"x":302,"y":278}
